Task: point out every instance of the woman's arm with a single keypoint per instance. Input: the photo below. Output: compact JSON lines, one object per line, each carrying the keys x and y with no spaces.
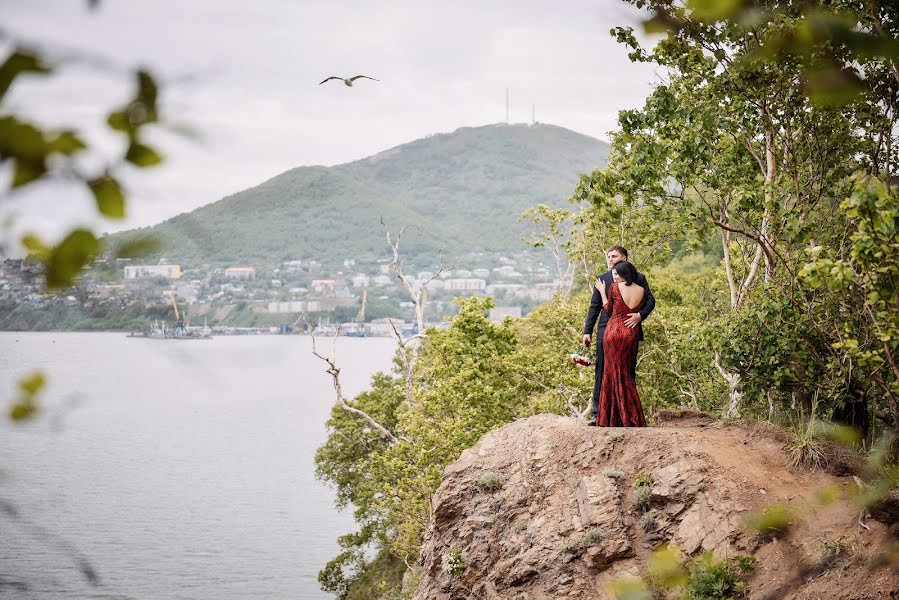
{"x":606,"y":305}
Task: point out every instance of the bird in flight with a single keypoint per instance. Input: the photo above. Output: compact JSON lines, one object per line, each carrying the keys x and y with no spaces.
{"x":349,"y":81}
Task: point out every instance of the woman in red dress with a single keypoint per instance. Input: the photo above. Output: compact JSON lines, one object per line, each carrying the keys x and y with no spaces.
{"x":619,"y":403}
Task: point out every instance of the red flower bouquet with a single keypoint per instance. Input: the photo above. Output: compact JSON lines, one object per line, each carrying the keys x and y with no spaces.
{"x":583,"y":356}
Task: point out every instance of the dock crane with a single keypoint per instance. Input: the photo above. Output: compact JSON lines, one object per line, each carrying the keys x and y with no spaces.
{"x":180,"y":327}
{"x":360,"y":317}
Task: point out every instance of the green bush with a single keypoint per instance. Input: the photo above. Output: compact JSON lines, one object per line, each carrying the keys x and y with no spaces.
{"x":713,"y":579}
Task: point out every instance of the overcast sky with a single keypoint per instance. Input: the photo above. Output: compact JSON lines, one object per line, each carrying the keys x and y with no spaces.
{"x":245,"y":75}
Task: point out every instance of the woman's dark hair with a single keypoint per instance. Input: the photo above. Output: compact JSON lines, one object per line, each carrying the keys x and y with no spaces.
{"x":626,"y":271}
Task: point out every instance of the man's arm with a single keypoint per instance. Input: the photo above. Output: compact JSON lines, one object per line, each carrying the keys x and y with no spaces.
{"x":650,"y":299}
{"x":593,"y":313}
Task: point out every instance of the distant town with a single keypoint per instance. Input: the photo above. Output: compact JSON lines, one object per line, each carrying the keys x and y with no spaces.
{"x":126,"y":294}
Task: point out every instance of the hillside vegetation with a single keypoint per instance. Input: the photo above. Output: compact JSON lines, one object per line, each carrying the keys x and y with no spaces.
{"x":457,"y":191}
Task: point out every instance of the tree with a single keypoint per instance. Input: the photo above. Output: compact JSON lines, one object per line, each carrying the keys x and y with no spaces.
{"x":734,"y":142}
{"x":462,"y":389}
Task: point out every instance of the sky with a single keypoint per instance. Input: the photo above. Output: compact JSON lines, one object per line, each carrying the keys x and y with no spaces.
{"x":242,"y":77}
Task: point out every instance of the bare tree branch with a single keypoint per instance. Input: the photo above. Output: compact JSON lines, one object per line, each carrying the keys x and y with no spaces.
{"x":733,"y":382}
{"x":419,"y":298}
{"x":334,"y":372}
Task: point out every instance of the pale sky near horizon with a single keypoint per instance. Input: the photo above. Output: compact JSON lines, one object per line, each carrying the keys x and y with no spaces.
{"x":244,"y":75}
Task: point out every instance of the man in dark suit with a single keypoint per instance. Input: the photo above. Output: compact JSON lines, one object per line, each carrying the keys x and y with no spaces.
{"x":615,"y":255}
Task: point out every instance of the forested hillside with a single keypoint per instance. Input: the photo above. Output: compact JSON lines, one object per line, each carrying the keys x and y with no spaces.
{"x":459,"y":191}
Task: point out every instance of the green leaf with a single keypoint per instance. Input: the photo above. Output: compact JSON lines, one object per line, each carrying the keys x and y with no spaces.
{"x":832,"y":86}
{"x":27,"y":170}
{"x":20,"y":61}
{"x":142,"y":155}
{"x":775,"y":520}
{"x":118,"y":120}
{"x":665,"y":568}
{"x":32,"y":384}
{"x":147,"y":92}
{"x":21,"y":140}
{"x":29,"y":387}
{"x":628,"y":588}
{"x":23,"y":409}
{"x":69,"y":257}
{"x":656,"y":25}
{"x":109,"y":196}
{"x":141,"y":246}
{"x":711,"y":11}
{"x":36,"y":247}
{"x":67,"y":143}
{"x":139,"y":111}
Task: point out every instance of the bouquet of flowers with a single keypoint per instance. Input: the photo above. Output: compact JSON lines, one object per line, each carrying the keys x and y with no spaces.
{"x":583,"y":356}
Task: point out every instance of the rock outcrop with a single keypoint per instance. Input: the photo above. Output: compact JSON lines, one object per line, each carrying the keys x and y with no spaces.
{"x":547,"y":507}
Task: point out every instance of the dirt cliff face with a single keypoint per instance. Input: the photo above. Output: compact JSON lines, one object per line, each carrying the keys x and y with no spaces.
{"x":547,"y":507}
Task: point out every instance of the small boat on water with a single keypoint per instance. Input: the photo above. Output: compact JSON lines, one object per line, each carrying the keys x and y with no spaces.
{"x":158,"y":331}
{"x":182,"y":330}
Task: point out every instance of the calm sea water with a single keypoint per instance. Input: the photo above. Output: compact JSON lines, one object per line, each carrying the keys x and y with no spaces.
{"x":177,"y":469}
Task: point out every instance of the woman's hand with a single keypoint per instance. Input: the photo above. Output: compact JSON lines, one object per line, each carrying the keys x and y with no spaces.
{"x":601,"y":286}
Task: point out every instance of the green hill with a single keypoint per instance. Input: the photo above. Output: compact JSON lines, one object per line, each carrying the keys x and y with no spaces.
{"x":459,"y":191}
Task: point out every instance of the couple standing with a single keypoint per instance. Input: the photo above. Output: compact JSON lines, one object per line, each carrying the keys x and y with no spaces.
{"x":621,"y":300}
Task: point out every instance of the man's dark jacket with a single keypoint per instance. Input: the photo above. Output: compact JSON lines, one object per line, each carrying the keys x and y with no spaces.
{"x":596,"y":309}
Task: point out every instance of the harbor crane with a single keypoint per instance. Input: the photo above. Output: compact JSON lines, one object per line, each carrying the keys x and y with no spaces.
{"x":180,"y":327}
{"x":360,"y":317}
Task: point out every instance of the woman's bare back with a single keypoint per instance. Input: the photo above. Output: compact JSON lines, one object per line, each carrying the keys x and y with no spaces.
{"x":631,"y":294}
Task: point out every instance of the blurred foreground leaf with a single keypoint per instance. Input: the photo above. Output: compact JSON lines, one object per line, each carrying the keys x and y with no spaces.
{"x":109,"y":196}
{"x":137,"y":247}
{"x":142,"y":155}
{"x":666,"y":568}
{"x":628,"y":588}
{"x":775,"y":520}
{"x":711,"y":11}
{"x":20,"y":61}
{"x":69,"y":257}
{"x":26,"y":404}
{"x":36,"y":247}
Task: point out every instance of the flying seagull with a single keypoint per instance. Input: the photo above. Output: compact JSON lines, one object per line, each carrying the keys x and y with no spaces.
{"x":349,"y":81}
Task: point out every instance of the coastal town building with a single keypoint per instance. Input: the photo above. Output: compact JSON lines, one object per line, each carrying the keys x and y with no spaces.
{"x":241,"y":272}
{"x":467,"y":285}
{"x":294,"y":306}
{"x":141,"y":271}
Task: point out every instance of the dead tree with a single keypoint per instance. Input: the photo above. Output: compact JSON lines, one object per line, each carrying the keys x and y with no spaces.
{"x":418,"y":295}
{"x":334,"y":372}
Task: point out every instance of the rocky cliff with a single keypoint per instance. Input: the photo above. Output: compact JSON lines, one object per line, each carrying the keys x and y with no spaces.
{"x":547,"y":507}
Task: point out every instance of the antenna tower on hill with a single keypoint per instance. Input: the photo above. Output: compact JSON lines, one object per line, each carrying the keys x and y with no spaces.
{"x":507,"y":106}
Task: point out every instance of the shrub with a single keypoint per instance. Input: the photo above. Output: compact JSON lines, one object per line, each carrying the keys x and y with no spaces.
{"x":712,"y":579}
{"x":613,"y":473}
{"x":642,"y":494}
{"x":806,"y":449}
{"x":592,"y":537}
{"x":644,"y":479}
{"x":453,"y":563}
{"x":642,"y":491}
{"x":490,"y":482}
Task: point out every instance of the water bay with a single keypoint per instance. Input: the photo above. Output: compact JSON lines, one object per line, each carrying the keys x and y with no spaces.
{"x":178,"y":469}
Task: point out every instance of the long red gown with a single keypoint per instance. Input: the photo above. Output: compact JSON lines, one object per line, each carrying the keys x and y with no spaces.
{"x":619,"y":403}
